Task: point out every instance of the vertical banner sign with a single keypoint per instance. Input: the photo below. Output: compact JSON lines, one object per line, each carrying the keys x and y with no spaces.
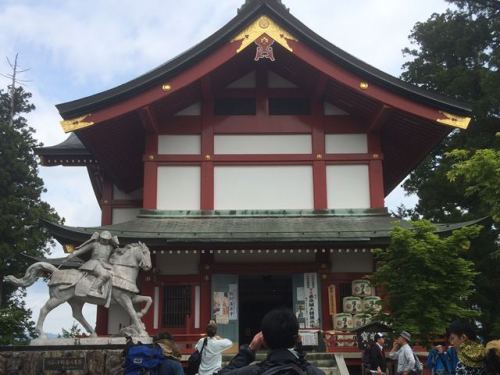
{"x":311,"y":298}
{"x":332,"y":300}
{"x":233,"y":302}
{"x":221,"y":307}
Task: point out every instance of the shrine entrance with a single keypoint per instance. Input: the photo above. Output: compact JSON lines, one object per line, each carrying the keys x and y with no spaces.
{"x":257,"y":296}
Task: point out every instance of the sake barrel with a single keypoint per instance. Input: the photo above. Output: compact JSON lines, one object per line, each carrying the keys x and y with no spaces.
{"x":342,"y":321}
{"x":361,"y":288}
{"x":361,"y":319}
{"x":371,"y":304}
{"x":352,"y":305}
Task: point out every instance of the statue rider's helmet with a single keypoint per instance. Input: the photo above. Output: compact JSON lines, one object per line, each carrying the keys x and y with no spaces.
{"x":105,"y":235}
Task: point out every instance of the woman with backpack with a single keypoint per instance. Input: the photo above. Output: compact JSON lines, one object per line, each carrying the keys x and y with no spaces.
{"x":211,"y":349}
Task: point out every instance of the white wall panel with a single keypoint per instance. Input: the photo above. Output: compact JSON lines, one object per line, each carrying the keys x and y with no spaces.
{"x":177,"y":264}
{"x":359,"y":262}
{"x":121,"y":215}
{"x":276,"y":81}
{"x":263,"y":144}
{"x":348,"y":186}
{"x":245,"y":82}
{"x":169,"y":144}
{"x":178,"y":188}
{"x":263,"y":187}
{"x":192,"y":110}
{"x":346,"y":144}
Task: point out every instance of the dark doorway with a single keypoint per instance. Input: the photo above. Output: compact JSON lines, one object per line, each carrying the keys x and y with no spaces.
{"x":257,"y":296}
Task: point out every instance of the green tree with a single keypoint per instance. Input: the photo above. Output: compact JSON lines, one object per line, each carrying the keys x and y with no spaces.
{"x":21,"y":210}
{"x":74,"y":331}
{"x":457,"y":53}
{"x":425,"y":278}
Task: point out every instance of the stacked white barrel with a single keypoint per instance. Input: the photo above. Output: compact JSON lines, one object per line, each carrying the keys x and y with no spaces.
{"x":359,"y":308}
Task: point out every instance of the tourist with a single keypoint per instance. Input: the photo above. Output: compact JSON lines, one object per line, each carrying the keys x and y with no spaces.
{"x":462,"y":335}
{"x":280,"y":334}
{"x":492,"y":358}
{"x":402,"y":353}
{"x":211,"y":358}
{"x":439,"y":362}
{"x":377,"y":354}
{"x":170,"y":365}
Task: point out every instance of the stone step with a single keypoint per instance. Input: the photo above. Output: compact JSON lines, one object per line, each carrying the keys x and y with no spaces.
{"x":330,"y":370}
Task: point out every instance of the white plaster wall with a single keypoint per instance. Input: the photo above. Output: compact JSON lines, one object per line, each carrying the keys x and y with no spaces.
{"x":275,"y":81}
{"x":133,"y":195}
{"x":346,"y":144}
{"x":263,"y":144}
{"x":352,"y":262}
{"x":121,"y":215}
{"x":117,"y":319}
{"x":263,"y":187}
{"x":348,"y":186}
{"x":178,"y":188}
{"x":245,"y":82}
{"x":192,"y":110}
{"x":264,"y":257}
{"x":177,"y":264}
{"x":331,"y":110}
{"x":169,"y":144}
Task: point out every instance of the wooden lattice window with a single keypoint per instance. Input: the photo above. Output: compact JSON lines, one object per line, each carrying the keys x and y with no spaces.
{"x":177,"y":305}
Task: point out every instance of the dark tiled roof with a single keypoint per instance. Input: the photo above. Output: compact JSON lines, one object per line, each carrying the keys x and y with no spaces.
{"x":157,"y":228}
{"x":251,"y":9}
{"x":71,"y":146}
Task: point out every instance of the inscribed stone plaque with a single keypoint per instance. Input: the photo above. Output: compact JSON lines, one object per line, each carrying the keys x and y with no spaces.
{"x":64,"y":364}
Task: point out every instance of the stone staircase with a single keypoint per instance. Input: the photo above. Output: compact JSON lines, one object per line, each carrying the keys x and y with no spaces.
{"x":324,"y":361}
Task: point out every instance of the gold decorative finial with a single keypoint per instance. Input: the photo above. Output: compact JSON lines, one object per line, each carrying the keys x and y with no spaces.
{"x":454,"y":120}
{"x":363,"y":85}
{"x":76,"y":123}
{"x":166,"y":87}
{"x":260,"y":26}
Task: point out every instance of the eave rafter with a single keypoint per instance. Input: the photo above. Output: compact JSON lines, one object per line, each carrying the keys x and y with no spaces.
{"x":148,"y":120}
{"x":379,"y":119}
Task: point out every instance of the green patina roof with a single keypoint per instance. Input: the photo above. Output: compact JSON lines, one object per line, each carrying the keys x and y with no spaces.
{"x":202,"y":228}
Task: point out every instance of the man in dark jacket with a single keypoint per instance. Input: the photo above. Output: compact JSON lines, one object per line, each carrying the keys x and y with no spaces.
{"x":280,"y":334}
{"x":377,"y":354}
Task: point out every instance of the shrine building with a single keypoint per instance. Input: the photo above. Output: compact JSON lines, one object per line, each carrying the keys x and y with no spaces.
{"x":254,"y":166}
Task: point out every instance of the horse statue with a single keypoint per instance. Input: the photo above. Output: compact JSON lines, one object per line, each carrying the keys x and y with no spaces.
{"x":72,"y":286}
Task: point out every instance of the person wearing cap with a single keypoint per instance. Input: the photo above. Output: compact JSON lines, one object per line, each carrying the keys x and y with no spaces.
{"x":377,"y":354}
{"x":402,"y":353}
{"x":100,"y":246}
{"x":211,"y":358}
{"x":170,"y":364}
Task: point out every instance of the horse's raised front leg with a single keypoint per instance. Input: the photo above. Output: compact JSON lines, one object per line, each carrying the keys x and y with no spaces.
{"x":76,"y":307}
{"x":142,"y":299}
{"x":51,"y":304}
{"x":125,"y":301}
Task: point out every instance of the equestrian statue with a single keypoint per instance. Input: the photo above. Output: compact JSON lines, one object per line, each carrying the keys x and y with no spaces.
{"x":108,"y":273}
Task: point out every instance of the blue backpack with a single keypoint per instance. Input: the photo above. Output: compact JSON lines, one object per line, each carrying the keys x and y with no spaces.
{"x":141,"y":359}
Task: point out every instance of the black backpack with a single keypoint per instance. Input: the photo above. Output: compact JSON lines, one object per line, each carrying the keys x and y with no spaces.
{"x":287,"y":368}
{"x":194,"y":360}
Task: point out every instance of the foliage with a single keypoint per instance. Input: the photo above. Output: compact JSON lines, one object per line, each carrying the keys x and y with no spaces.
{"x":15,"y":324}
{"x":479,"y":172}
{"x":21,"y":210}
{"x":426,"y":279}
{"x":74,"y":331}
{"x":457,"y":53}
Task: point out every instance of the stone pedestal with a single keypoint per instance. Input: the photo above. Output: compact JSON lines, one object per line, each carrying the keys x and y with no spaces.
{"x":89,"y":356}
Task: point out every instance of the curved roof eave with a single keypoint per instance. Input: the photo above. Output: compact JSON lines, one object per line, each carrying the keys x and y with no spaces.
{"x":272,"y":8}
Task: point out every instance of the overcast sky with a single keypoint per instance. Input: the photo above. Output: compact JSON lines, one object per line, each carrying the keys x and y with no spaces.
{"x":78,"y":48}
